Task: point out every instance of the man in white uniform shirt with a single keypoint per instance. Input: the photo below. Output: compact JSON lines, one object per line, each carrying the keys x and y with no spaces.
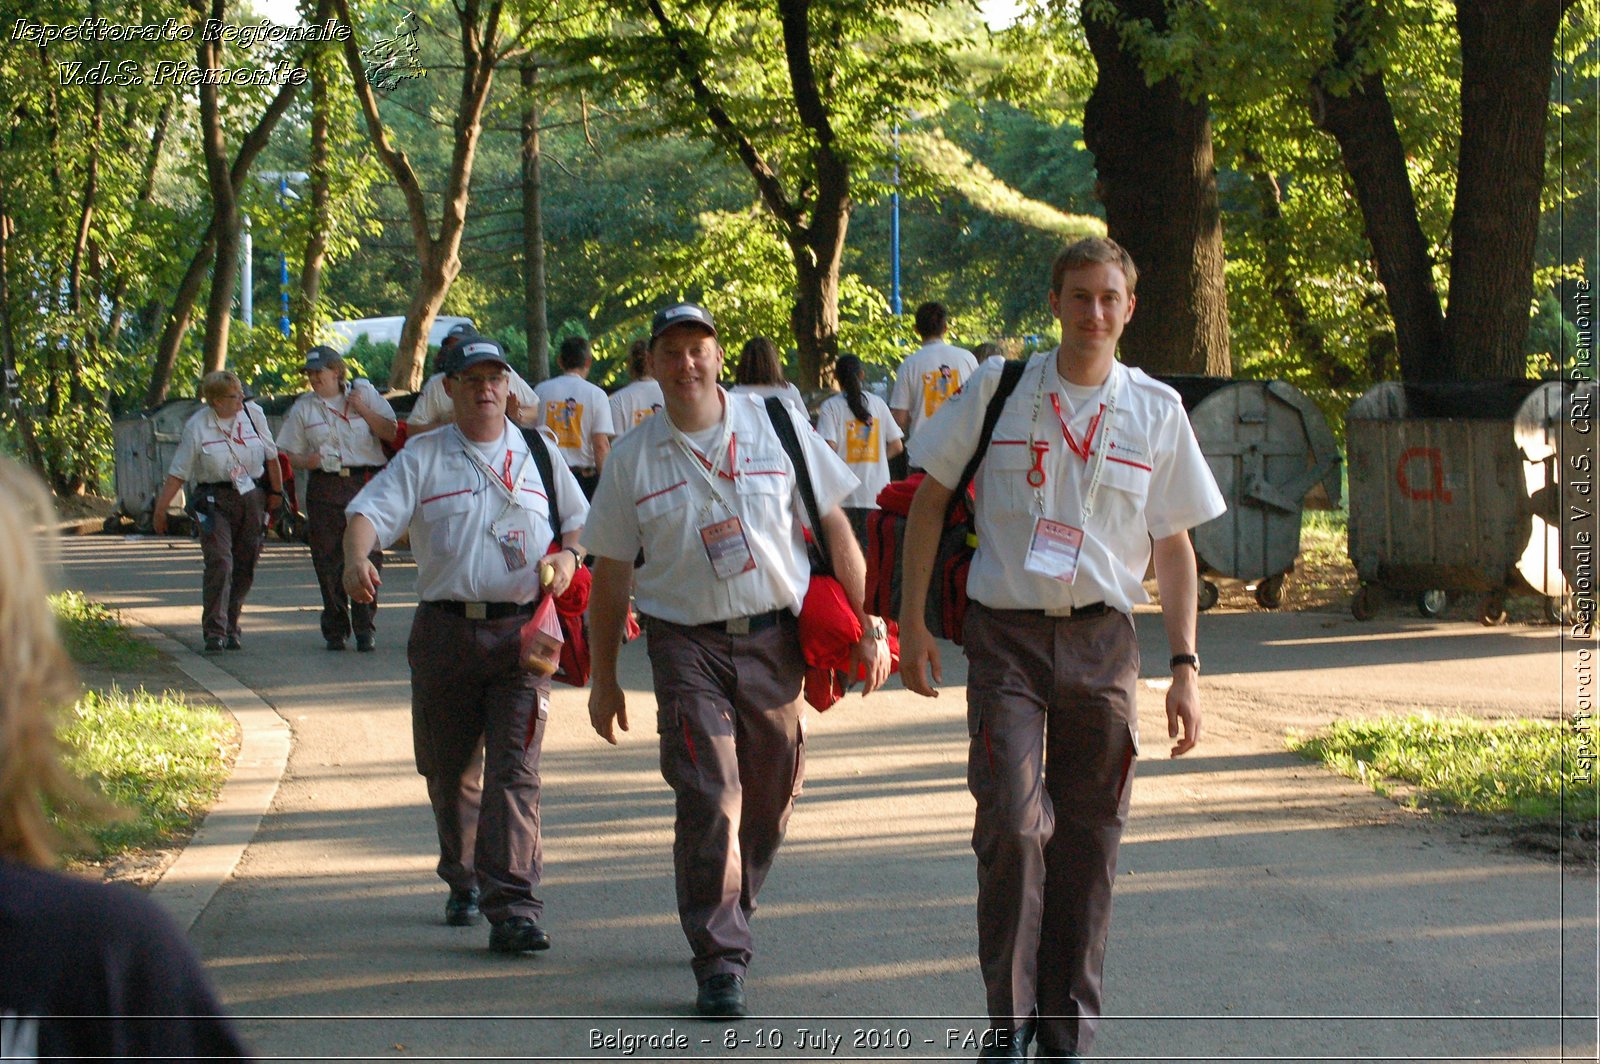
{"x":1090,"y":462}
{"x":931,"y":374}
{"x":334,"y":431}
{"x":433,"y":408}
{"x":480,"y":523}
{"x":706,"y":490}
{"x":578,"y":413}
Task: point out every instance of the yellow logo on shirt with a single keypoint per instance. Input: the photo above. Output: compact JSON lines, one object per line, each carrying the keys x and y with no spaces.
{"x":641,"y":416}
{"x":861,"y":441}
{"x":937,"y":386}
{"x":565,"y":418}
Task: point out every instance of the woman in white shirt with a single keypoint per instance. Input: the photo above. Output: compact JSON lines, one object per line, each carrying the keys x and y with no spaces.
{"x":760,"y":372}
{"x":226,"y":451}
{"x":858,"y":425}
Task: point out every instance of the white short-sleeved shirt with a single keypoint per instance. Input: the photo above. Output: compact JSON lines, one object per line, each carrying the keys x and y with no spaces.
{"x":209,"y":449}
{"x":928,"y":377}
{"x":433,"y":404}
{"x":864,"y":447}
{"x":652,"y":496}
{"x":317,"y":425}
{"x":632,"y":404}
{"x":576,"y":411}
{"x":438,"y":487}
{"x":1155,"y":482}
{"x":787,"y":392}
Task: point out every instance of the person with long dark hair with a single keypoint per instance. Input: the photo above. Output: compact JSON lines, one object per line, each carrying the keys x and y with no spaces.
{"x":858,"y":425}
{"x":760,"y":372}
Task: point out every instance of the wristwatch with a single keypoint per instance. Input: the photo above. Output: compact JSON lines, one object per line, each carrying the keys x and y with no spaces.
{"x":876,"y":628}
{"x":1192,"y":660}
{"x":577,"y":555}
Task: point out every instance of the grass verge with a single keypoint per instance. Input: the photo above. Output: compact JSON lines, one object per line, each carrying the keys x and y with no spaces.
{"x":1527,"y":769}
{"x":153,"y":755}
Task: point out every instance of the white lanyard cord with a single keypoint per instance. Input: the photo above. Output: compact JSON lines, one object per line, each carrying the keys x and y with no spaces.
{"x":708,"y":467}
{"x":510,"y":490}
{"x":1108,"y":412}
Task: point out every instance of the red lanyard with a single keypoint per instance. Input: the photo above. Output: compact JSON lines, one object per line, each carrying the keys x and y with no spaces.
{"x":732,"y":472}
{"x":1079,"y":449}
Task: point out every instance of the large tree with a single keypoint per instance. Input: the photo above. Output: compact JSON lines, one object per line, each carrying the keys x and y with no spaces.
{"x":800,"y":93}
{"x":1151,"y":139}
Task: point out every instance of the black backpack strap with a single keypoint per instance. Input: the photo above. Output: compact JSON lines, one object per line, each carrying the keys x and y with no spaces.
{"x":783,"y":425}
{"x":547,"y":474}
{"x":1010,"y":374}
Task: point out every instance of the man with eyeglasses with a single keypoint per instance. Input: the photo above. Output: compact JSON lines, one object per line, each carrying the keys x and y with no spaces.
{"x":479,"y":518}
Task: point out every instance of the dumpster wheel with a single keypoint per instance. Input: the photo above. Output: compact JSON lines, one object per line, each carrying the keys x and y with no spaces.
{"x":1364,"y":606}
{"x":1269,"y":593}
{"x":1432,"y":603}
{"x":1208,"y":595}
{"x":1492,"y":610}
{"x":1558,"y":609}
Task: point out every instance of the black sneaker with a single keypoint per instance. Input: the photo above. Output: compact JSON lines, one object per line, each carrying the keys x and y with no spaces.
{"x":233,"y":643}
{"x":520,"y":934}
{"x":335,"y":644}
{"x":213,"y":644}
{"x":366,"y":644}
{"x":721,"y":997}
{"x":461,"y":908}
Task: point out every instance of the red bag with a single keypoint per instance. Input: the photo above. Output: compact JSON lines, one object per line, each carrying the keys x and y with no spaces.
{"x":829,"y":631}
{"x":571,"y":610}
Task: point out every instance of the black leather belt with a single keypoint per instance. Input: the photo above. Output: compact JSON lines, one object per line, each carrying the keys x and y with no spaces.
{"x":217,"y":485}
{"x":746,"y":625}
{"x":482,"y":611}
{"x":1075,"y":613}
{"x":350,"y":471}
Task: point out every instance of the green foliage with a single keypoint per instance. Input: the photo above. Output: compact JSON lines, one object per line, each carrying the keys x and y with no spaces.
{"x":95,"y":635}
{"x":1523,"y":768}
{"x":155,"y":756}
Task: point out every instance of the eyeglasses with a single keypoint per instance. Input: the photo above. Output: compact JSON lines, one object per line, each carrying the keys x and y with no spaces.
{"x":235,"y":398}
{"x":478,"y":380}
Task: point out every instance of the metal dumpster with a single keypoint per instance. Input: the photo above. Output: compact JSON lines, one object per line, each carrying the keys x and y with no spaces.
{"x":1267,"y":445}
{"x":1443,"y":485}
{"x":145,"y":445}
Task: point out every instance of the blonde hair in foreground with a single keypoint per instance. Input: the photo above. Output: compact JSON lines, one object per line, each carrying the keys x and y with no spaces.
{"x":38,"y":676}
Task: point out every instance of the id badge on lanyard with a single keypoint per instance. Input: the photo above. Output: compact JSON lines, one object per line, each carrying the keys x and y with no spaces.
{"x":1054,"y":549}
{"x":727,"y":548}
{"x":243,"y":482}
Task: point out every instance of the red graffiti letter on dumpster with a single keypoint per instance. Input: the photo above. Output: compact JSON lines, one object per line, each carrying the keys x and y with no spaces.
{"x":1436,"y":491}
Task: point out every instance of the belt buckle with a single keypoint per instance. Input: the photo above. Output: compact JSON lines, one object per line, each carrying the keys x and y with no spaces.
{"x":344,"y":471}
{"x":476,"y":611}
{"x":739,"y":626}
{"x":1059,"y":611}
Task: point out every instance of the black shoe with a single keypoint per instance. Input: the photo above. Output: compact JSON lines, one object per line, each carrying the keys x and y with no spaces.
{"x":721,"y":997}
{"x":461,"y":909}
{"x":1007,"y":1043}
{"x":335,"y":644}
{"x":518,"y":935}
{"x":366,"y":644}
{"x":213,"y":644}
{"x":233,"y":643}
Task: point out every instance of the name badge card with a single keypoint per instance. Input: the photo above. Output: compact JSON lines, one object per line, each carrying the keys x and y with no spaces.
{"x":727,"y":548}
{"x":1054,"y":550}
{"x":514,"y":548}
{"x":243,"y":482}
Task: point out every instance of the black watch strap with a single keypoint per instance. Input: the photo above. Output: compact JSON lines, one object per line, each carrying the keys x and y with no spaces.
{"x":1185,"y":659}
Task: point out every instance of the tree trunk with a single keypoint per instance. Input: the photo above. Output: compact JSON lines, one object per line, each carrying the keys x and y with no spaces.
{"x":815,"y":317}
{"x":1507,"y":49}
{"x":1364,"y":125}
{"x":1158,"y":182}
{"x":119,"y":288}
{"x":11,"y":407}
{"x":305,"y":300}
{"x":439,"y":257}
{"x":178,"y":316}
{"x":224,"y":206}
{"x":536,"y":322}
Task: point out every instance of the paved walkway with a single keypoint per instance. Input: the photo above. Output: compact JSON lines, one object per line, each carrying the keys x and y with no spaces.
{"x":1266,"y":911}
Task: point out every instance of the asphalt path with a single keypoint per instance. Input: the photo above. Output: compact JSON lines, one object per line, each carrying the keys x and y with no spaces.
{"x":1266,"y":910}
